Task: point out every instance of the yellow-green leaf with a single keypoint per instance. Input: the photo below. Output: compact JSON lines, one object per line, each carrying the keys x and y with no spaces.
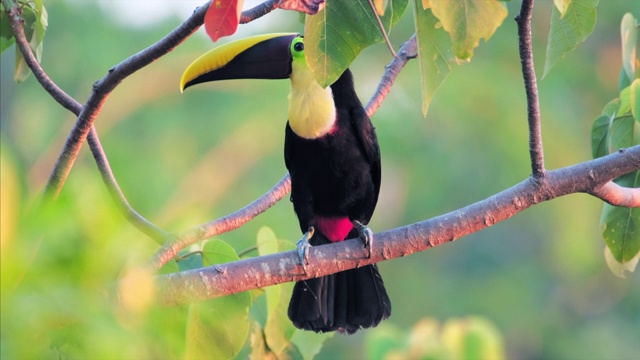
{"x":562,"y":6}
{"x":434,"y":53}
{"x":629,"y":35}
{"x":569,"y":31}
{"x":468,"y":21}
{"x":634,"y":99}
{"x":338,"y":33}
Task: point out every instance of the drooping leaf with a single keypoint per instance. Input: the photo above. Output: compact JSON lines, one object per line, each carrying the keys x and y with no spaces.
{"x":562,"y":6}
{"x":569,"y":31}
{"x":338,"y":33}
{"x":381,"y":6}
{"x":278,"y":329}
{"x":222,"y":18}
{"x":434,"y":54}
{"x":6,"y":34}
{"x":634,"y":99}
{"x":620,"y":269}
{"x":621,"y":226}
{"x":468,"y":21}
{"x":218,"y":328}
{"x":310,"y":7}
{"x":600,"y":136}
{"x":629,"y":35}
{"x":35,"y":25}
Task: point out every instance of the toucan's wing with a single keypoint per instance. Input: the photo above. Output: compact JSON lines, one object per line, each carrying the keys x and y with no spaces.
{"x":368,"y":141}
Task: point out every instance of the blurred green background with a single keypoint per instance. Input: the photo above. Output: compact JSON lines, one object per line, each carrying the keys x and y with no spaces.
{"x":183,"y":159}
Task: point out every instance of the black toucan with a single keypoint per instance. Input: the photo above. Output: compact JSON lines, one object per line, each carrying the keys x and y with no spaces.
{"x":333,"y":157}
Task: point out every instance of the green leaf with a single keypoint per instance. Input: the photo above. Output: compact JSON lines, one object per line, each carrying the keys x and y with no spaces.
{"x":218,"y":328}
{"x":6,"y":34}
{"x":338,"y":33}
{"x":569,"y":31}
{"x":621,"y":226}
{"x":623,"y":80}
{"x":629,"y":35}
{"x":634,"y":99}
{"x":473,"y":338}
{"x":278,"y":329}
{"x":619,"y":269}
{"x":309,"y":343}
{"x":625,"y":101}
{"x":190,"y":261}
{"x":434,"y":53}
{"x":468,"y":21}
{"x":621,"y":133}
{"x":562,"y":6}
{"x":600,"y":136}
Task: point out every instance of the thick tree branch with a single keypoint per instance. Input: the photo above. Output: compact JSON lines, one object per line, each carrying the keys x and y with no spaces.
{"x":75,"y":107}
{"x":221,"y":225}
{"x":243,"y":275}
{"x":529,"y":74}
{"x":258,"y":11}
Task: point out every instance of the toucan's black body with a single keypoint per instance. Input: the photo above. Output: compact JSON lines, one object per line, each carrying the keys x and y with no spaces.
{"x":334,"y":168}
{"x":337,"y":175}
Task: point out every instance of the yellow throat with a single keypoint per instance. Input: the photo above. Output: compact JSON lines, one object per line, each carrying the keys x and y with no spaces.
{"x":312,"y":112}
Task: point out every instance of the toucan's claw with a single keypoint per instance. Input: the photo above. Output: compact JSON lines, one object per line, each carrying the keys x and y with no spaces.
{"x":365,"y":234}
{"x":303,"y":247}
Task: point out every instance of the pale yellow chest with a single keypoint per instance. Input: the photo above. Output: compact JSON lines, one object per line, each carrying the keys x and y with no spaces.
{"x":312,"y":113}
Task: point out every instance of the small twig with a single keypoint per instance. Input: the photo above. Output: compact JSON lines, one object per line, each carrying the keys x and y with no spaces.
{"x":221,"y":225}
{"x":382,"y":30}
{"x":533,"y":106}
{"x":258,"y":11}
{"x":407,"y":51}
{"x":75,"y":107}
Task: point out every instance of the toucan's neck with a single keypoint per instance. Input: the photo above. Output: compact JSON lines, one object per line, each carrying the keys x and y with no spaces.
{"x":312,"y":112}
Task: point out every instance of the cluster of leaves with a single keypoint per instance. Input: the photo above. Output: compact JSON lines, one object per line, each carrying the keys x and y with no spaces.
{"x":619,"y":127}
{"x":34,"y":17}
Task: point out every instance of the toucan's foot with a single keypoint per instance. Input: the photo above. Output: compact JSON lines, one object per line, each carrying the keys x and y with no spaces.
{"x":365,"y":234}
{"x":304,"y":246}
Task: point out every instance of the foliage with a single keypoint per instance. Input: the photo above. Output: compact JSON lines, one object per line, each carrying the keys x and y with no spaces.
{"x":59,"y":263}
{"x":619,"y":127}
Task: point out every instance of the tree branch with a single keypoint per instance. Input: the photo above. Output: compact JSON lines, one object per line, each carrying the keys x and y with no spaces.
{"x":243,"y":275}
{"x":102,"y":89}
{"x":75,"y":107}
{"x":221,"y":225}
{"x":529,"y":74}
{"x":258,"y":11}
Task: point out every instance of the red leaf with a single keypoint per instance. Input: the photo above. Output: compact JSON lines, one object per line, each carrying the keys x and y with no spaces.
{"x":222,"y":18}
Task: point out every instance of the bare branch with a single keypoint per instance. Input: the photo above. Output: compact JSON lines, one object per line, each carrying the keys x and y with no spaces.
{"x":102,"y":89}
{"x":221,"y":225}
{"x":258,"y":11}
{"x":243,"y":275}
{"x":529,"y":74}
{"x":407,"y":51}
{"x":617,"y":195}
{"x":75,"y":107}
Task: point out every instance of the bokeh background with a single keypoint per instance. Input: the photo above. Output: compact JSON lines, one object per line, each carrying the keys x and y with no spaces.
{"x":184,"y":159}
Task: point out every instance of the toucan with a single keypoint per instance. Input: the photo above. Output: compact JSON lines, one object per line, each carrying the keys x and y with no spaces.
{"x":333,"y":157}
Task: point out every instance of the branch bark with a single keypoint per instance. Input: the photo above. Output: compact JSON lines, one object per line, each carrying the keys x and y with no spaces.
{"x":243,"y":275}
{"x":523,"y":19}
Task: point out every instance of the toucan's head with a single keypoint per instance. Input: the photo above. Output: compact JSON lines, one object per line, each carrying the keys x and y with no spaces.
{"x":267,"y":56}
{"x":312,"y":112}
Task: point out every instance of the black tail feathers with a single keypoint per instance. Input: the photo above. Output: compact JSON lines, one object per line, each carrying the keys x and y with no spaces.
{"x":346,"y":301}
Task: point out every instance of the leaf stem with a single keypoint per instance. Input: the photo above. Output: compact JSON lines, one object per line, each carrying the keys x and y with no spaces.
{"x":382,"y":30}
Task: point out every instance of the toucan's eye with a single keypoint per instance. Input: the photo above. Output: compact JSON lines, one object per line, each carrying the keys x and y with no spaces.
{"x":299,"y":46}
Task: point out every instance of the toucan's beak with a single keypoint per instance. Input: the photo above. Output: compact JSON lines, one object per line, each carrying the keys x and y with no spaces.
{"x":257,"y":57}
